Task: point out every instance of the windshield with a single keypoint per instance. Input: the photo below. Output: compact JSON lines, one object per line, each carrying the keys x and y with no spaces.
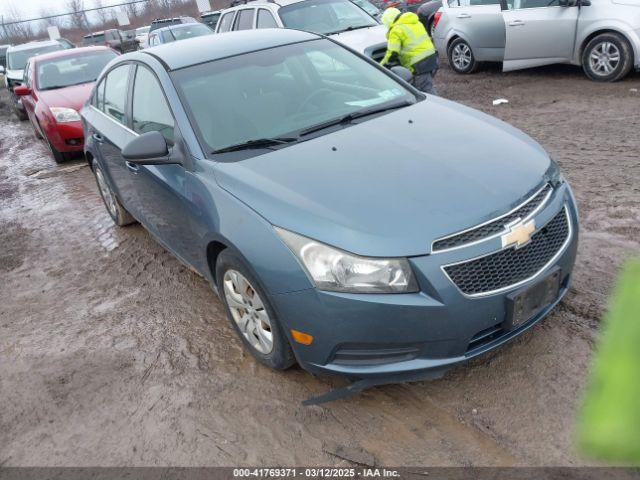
{"x":367,"y":6}
{"x":325,"y":16}
{"x":190,"y":30}
{"x":18,"y":59}
{"x":281,"y":92}
{"x":142,"y":30}
{"x":71,"y":70}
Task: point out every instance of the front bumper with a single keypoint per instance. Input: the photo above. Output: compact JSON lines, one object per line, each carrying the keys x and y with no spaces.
{"x":380,"y":336}
{"x":65,"y":137}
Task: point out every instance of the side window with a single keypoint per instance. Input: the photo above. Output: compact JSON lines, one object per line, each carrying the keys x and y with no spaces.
{"x":265,"y":19}
{"x":98,"y":97}
{"x":225,"y":21}
{"x":150,"y":110}
{"x":519,"y":4}
{"x":167,"y":36}
{"x":115,"y":93}
{"x":26,"y":77}
{"x":244,"y":20}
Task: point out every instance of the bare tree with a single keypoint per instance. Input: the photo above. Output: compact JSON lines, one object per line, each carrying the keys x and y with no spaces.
{"x":104,"y":15}
{"x":77,"y":16}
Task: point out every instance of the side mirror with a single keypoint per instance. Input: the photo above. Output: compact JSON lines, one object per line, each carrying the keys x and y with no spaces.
{"x":404,"y":73}
{"x":1,"y":70}
{"x":21,"y":90}
{"x":149,"y":149}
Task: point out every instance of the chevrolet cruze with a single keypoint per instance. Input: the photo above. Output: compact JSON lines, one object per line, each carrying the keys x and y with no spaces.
{"x":342,"y":221}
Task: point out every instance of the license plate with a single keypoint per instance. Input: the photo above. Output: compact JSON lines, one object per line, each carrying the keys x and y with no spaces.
{"x":526,"y":304}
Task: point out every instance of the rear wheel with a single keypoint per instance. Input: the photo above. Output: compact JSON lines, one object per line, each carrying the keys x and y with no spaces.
{"x":251,"y":314}
{"x":607,"y":58}
{"x":461,"y":57}
{"x":118,"y":213}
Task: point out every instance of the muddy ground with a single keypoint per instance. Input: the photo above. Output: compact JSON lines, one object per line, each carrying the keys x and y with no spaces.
{"x":113,"y":353}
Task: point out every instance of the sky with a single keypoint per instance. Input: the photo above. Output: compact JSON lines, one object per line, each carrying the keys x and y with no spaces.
{"x":31,"y":8}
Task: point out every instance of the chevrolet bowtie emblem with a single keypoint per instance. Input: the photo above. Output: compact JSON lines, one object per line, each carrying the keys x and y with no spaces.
{"x":519,"y":234}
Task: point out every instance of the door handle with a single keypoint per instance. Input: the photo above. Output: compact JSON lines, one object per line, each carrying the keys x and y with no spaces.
{"x":464,"y":15}
{"x":516,"y":23}
{"x":132,"y":167}
{"x":98,"y":138}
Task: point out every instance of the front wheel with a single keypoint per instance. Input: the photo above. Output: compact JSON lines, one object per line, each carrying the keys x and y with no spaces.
{"x":251,"y":314}
{"x":118,"y":213}
{"x":461,"y":57}
{"x":607,"y":58}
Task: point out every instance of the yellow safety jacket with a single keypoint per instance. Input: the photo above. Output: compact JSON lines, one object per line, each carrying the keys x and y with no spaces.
{"x":408,"y":38}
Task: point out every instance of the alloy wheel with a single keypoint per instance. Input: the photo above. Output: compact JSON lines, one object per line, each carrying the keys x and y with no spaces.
{"x":604,"y":59}
{"x":248,"y":311}
{"x":107,"y":194}
{"x":462,"y":56}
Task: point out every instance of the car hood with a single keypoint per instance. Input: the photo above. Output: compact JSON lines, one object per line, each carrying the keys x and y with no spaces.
{"x":392,"y":185}
{"x":70,"y":97}
{"x":15,"y":74}
{"x":363,"y":40}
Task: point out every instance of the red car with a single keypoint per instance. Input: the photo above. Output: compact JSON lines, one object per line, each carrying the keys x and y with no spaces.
{"x":56,"y":86}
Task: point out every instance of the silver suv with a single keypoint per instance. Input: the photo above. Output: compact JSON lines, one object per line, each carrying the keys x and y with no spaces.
{"x":602,"y":36}
{"x":342,"y":20}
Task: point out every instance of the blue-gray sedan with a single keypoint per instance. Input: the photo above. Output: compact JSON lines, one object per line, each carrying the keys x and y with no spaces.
{"x":344,"y":222}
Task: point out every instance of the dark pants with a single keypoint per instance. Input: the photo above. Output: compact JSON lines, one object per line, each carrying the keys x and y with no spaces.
{"x":424,"y":72}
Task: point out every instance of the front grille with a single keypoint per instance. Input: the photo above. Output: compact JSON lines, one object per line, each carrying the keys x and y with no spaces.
{"x":496,"y":226}
{"x":362,"y":356}
{"x":512,"y":266}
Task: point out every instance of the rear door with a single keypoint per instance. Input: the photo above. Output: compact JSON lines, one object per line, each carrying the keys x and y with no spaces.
{"x":480,"y":23}
{"x":110,"y":133}
{"x":539,"y":32}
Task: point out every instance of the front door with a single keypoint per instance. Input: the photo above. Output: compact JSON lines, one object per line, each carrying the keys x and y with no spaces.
{"x":160,"y":189}
{"x":539,"y":32}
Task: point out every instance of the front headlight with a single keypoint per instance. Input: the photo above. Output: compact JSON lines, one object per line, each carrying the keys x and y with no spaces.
{"x":338,"y":271}
{"x":65,"y":115}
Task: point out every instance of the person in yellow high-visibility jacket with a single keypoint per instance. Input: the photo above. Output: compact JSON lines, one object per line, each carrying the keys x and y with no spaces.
{"x":409,"y":44}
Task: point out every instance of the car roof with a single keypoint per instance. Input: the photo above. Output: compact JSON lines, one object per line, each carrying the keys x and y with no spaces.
{"x":172,"y":19}
{"x":262,"y":3}
{"x":30,"y":45}
{"x":71,"y":52}
{"x":177,"y":26}
{"x":207,"y":48}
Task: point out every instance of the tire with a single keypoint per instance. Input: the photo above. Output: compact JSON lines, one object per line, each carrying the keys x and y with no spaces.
{"x":251,"y":314}
{"x":21,"y":114}
{"x":598,"y":58}
{"x":461,"y":57}
{"x":118,"y":213}
{"x":36,"y":131}
{"x":58,"y":156}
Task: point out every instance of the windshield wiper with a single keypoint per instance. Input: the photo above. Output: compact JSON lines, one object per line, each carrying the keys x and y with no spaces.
{"x":355,"y":115}
{"x":55,"y":87}
{"x":349,"y":29}
{"x":256,"y":143}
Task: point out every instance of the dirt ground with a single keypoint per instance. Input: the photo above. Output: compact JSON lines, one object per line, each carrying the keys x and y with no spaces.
{"x":112,"y":353}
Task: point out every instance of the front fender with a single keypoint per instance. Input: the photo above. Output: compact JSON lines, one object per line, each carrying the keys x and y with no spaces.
{"x":221,"y":217}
